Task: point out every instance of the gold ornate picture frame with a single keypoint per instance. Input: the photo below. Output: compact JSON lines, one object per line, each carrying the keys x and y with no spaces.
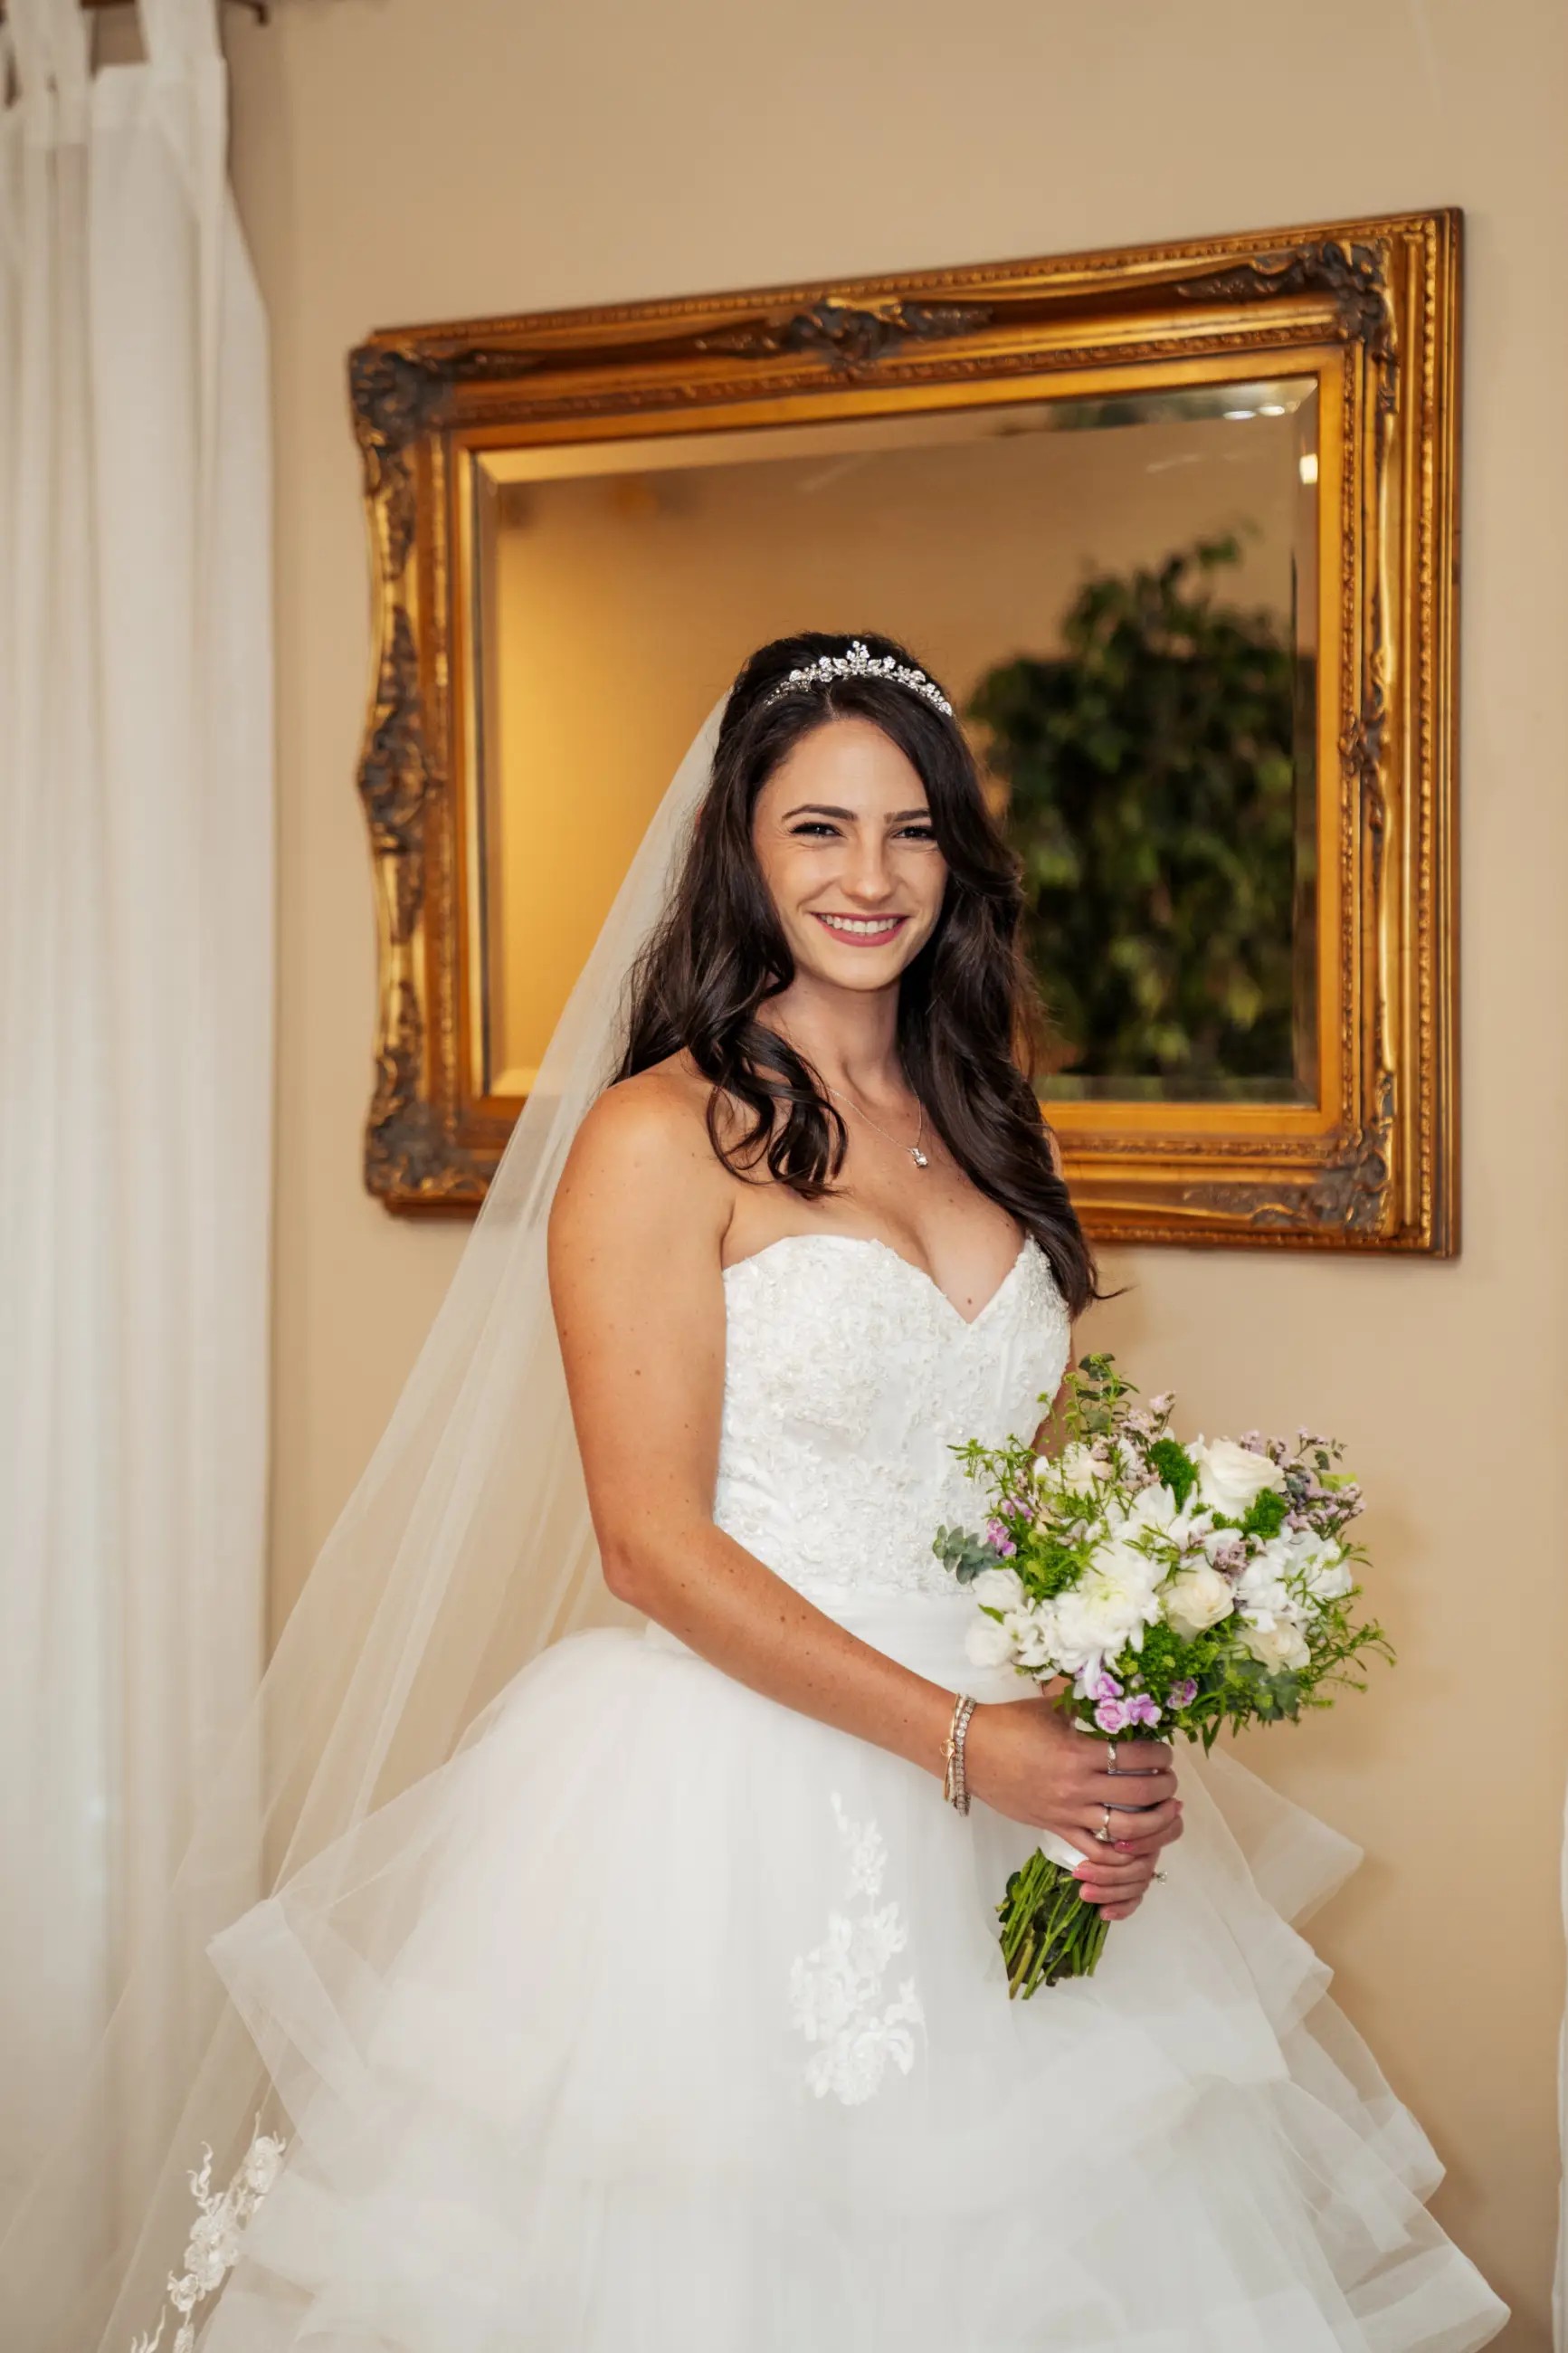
{"x":1365,"y":310}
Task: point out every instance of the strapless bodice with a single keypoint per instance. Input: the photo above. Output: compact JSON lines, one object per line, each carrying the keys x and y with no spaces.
{"x":849,"y":1376}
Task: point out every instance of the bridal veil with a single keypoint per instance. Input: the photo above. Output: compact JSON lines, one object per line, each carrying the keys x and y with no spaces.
{"x":465,"y":1549}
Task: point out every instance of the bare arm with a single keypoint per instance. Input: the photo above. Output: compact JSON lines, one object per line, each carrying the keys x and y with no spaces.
{"x":635,"y":1243}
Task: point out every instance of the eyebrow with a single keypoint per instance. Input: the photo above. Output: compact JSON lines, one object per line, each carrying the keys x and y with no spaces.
{"x":824,"y":809}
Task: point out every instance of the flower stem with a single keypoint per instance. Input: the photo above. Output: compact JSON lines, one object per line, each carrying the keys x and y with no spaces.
{"x":1049,"y":1931}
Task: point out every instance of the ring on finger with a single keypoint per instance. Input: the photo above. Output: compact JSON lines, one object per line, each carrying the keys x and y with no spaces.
{"x":1110,"y":1757}
{"x":1104,"y":1832}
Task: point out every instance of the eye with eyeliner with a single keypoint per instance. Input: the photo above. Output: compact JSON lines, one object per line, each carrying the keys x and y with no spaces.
{"x":818,"y":828}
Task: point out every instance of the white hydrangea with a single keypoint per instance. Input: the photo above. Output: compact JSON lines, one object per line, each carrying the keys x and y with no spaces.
{"x":998,"y":1588}
{"x":1322,"y":1564}
{"x":988,"y":1643}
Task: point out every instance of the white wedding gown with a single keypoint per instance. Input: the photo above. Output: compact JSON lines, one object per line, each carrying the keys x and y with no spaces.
{"x":664,"y":2018}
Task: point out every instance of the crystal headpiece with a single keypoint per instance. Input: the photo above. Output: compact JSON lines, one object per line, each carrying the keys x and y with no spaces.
{"x":858,"y":661}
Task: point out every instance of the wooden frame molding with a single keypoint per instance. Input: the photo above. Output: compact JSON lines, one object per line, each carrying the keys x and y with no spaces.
{"x":1371,"y":307}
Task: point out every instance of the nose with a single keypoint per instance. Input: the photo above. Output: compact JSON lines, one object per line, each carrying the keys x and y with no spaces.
{"x":867,"y":875}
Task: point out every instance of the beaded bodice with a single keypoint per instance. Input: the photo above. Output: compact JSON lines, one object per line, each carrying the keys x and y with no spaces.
{"x":848,"y":1377}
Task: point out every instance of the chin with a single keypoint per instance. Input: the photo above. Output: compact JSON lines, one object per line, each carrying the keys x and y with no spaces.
{"x":857,"y":968}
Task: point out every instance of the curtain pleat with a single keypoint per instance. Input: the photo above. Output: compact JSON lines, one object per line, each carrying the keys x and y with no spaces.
{"x":136,"y":995}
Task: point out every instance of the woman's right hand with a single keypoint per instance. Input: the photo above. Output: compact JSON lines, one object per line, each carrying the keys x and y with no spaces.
{"x":1027,"y":1760}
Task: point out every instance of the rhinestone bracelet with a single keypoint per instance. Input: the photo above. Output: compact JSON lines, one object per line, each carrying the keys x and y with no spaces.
{"x":954,"y":1787}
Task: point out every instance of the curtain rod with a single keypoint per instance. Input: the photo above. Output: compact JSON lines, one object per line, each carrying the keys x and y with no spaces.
{"x":260,"y":9}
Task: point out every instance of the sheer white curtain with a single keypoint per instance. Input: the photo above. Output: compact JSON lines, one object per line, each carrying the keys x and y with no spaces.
{"x":136,"y":977}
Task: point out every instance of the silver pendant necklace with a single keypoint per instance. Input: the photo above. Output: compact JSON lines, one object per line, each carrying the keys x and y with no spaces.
{"x":916,"y":1155}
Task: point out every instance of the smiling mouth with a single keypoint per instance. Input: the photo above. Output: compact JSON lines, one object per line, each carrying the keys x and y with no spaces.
{"x":863,"y":931}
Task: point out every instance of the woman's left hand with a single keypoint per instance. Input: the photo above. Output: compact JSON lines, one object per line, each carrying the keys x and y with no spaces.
{"x":1117,"y":1877}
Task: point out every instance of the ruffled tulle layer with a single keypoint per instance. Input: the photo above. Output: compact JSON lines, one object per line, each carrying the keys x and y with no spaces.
{"x":665,"y":2018}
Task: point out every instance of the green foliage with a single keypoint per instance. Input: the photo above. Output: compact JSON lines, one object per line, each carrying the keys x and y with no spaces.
{"x":964,"y":1554}
{"x":1175,"y":1467}
{"x":1151,"y":774}
{"x":1266,"y":1514}
{"x":1092,"y":1397}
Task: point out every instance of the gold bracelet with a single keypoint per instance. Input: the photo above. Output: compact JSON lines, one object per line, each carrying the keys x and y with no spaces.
{"x":954,"y":1787}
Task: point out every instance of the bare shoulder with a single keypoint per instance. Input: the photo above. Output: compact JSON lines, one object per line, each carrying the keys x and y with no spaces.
{"x":641,"y":1162}
{"x":659,"y":1116}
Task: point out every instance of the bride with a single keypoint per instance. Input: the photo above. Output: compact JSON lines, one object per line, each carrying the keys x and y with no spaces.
{"x":668,"y":2010}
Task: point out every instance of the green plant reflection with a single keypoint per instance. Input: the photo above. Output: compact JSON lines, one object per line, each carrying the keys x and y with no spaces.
{"x":1151,"y":780}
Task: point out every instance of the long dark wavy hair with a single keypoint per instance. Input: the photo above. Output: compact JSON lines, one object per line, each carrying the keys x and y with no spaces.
{"x":966,"y":1008}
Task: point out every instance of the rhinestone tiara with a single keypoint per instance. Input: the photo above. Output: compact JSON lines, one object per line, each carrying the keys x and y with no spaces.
{"x":858,"y":661}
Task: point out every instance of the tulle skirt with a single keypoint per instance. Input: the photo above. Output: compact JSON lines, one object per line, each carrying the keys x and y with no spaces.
{"x":663,"y":2017}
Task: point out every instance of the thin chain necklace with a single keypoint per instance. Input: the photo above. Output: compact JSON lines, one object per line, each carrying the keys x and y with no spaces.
{"x":921,"y":1159}
{"x":916,"y":1155}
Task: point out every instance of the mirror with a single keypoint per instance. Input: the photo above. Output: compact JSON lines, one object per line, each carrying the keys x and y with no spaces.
{"x":1120,"y":596}
{"x":1148,"y":578}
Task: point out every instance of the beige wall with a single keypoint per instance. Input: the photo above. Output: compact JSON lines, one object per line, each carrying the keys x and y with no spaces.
{"x":402,"y":159}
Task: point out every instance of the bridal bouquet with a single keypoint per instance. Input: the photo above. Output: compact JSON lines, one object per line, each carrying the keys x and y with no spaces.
{"x":1177,"y":1588}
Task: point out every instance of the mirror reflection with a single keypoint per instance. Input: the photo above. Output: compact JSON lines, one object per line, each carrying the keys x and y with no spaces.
{"x":1120,"y":596}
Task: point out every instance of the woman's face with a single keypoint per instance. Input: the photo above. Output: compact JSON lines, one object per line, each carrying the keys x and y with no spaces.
{"x":843,"y":837}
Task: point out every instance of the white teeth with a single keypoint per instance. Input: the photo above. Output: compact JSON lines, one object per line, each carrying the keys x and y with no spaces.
{"x":861,"y":926}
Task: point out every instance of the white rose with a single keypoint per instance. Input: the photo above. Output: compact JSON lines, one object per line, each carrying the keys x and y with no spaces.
{"x":1230,"y":1477}
{"x":988,"y":1643}
{"x":1280,"y":1646}
{"x":1197,"y":1598}
{"x":998,"y":1588}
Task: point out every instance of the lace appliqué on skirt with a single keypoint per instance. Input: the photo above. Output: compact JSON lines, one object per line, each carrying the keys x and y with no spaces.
{"x":836,"y":1991}
{"x":216,"y":2237}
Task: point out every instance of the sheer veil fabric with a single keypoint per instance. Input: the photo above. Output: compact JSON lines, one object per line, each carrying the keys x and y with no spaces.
{"x":465,"y":1550}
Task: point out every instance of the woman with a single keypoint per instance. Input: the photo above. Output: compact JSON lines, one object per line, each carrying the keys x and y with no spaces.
{"x":669,"y":2011}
